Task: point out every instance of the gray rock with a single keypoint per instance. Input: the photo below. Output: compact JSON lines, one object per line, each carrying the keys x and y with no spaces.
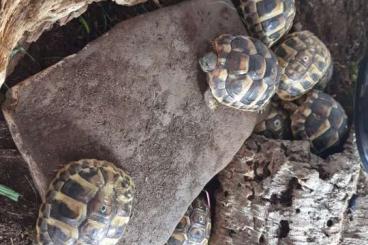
{"x":135,"y":97}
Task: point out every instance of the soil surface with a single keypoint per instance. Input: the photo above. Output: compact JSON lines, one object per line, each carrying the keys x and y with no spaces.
{"x":16,"y":218}
{"x":341,"y":24}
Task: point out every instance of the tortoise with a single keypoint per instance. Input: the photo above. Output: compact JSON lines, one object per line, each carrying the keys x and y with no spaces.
{"x":276,"y":125}
{"x":304,"y":61}
{"x":195,"y":227}
{"x":241,"y":72}
{"x":323,"y":82}
{"x":268,"y":20}
{"x":88,"y":202}
{"x":321,"y":120}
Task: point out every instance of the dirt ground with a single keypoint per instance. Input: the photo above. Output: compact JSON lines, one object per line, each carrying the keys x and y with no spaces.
{"x":17,"y":219}
{"x":341,"y":24}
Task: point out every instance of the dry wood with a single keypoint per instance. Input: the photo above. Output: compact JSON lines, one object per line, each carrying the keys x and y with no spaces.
{"x":356,"y":221}
{"x":25,"y":20}
{"x":286,"y":195}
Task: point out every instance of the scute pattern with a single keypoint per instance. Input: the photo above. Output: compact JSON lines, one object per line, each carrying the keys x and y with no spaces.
{"x":276,"y":125}
{"x":305,"y":61}
{"x":321,"y":120}
{"x":268,"y":20}
{"x":195,"y":227}
{"x":247,"y":73}
{"x":88,"y":202}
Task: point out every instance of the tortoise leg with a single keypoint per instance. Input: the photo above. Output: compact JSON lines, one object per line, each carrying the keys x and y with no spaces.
{"x":211,"y":102}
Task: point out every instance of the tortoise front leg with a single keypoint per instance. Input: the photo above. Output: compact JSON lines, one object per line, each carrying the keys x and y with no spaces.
{"x":210,"y":100}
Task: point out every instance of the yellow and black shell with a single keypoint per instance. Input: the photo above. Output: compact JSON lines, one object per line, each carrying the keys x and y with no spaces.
{"x":88,"y":202}
{"x":268,"y":20}
{"x":246,"y":75}
{"x":322,"y":84}
{"x":304,"y":61}
{"x":322,"y":121}
{"x":276,"y":125}
{"x":195,"y":227}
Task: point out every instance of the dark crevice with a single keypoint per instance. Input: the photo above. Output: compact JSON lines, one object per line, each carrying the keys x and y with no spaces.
{"x":352,"y":203}
{"x":284,"y":150}
{"x":251,"y":197}
{"x":212,"y":187}
{"x":62,"y":41}
{"x":274,"y":199}
{"x":329,"y":223}
{"x":265,"y":171}
{"x":284,"y":229}
{"x":286,"y":197}
{"x":231,"y":233}
{"x":332,"y":221}
{"x":226,"y":193}
{"x":262,"y":240}
{"x":323,"y":174}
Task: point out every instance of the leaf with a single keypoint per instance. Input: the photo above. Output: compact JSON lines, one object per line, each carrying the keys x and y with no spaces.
{"x":85,"y":25}
{"x":9,"y":193}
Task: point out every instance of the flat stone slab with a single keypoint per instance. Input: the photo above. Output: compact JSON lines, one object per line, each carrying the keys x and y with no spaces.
{"x":135,"y":97}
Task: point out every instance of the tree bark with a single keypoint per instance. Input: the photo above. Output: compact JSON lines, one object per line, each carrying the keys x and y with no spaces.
{"x":356,"y":221}
{"x":288,"y":196}
{"x":25,"y":20}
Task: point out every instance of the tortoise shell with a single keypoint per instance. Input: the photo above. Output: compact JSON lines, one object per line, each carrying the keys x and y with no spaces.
{"x":246,"y":73}
{"x":195,"y":227}
{"x":276,"y":125}
{"x":304,"y":61}
{"x":322,"y":84}
{"x":322,"y":121}
{"x":268,"y":20}
{"x":88,"y":202}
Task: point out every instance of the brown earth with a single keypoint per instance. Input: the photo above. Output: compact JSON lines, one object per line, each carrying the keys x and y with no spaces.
{"x":16,"y":219}
{"x":339,"y":23}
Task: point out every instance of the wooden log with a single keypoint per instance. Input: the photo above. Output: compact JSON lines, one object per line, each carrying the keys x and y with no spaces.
{"x":355,"y":230}
{"x":25,"y":20}
{"x":286,"y":195}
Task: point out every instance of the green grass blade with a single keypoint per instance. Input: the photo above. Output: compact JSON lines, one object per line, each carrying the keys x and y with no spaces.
{"x":84,"y":23}
{"x":20,"y":49}
{"x":9,"y":193}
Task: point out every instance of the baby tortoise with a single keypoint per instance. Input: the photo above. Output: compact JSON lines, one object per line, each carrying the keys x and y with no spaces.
{"x":268,"y":20}
{"x":322,"y":121}
{"x":276,"y":125}
{"x":88,"y":202}
{"x":195,"y":227}
{"x":242,"y":73}
{"x":322,"y":84}
{"x":304,"y":61}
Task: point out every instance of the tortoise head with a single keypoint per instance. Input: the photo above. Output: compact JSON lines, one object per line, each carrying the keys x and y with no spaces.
{"x":208,"y":62}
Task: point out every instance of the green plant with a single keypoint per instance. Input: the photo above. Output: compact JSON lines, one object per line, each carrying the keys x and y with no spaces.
{"x":85,"y":25}
{"x":20,"y":49}
{"x":9,"y":193}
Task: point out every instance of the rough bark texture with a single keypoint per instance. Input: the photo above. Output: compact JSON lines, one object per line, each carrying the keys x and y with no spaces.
{"x":26,"y":20}
{"x":285,"y":195}
{"x":135,"y":97}
{"x":356,"y":216}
